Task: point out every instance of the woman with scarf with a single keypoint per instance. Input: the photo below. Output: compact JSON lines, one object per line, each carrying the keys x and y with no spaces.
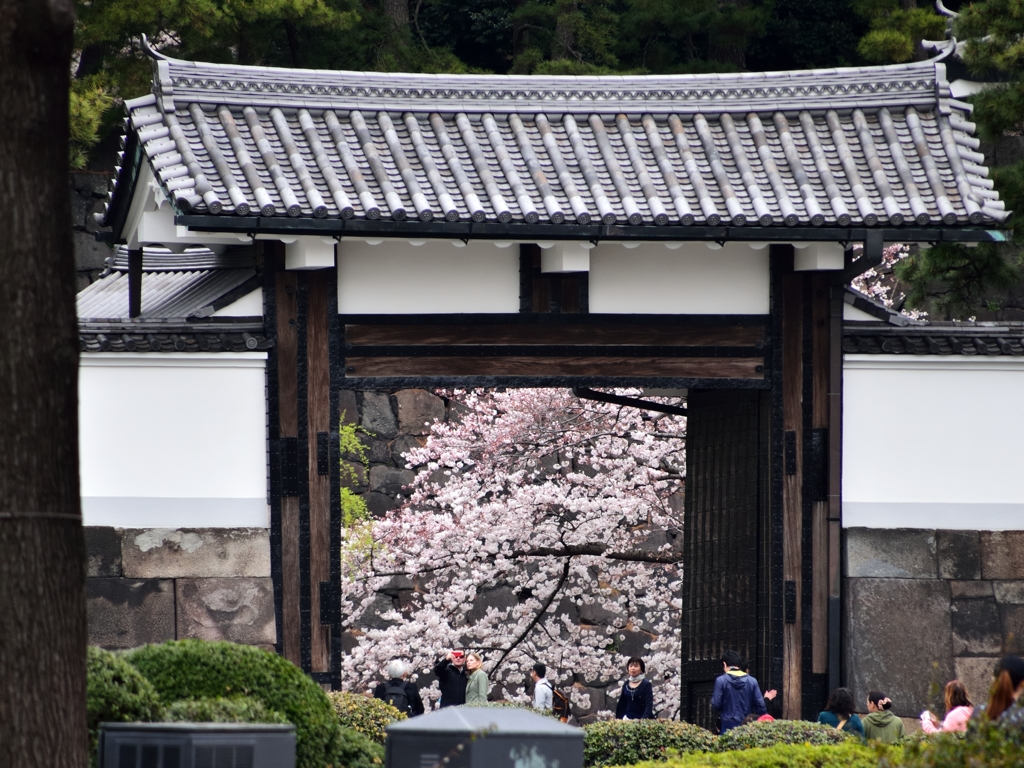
{"x":636,"y":702}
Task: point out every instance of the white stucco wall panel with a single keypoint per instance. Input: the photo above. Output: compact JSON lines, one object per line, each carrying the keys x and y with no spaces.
{"x":173,"y":440}
{"x":396,"y":277}
{"x":691,"y":279}
{"x":933,"y":442}
{"x":250,"y":305}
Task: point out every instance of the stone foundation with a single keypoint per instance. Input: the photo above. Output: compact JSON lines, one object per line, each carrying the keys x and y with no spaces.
{"x":923,"y":607}
{"x":152,"y":585}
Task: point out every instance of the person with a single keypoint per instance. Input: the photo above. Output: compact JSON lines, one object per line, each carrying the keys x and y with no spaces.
{"x":736,"y":693}
{"x":766,"y":695}
{"x":477,"y":685}
{"x":452,"y":678}
{"x":400,"y":693}
{"x":636,"y":702}
{"x":880,"y":724}
{"x":1006,"y":692}
{"x":543,"y":693}
{"x":839,"y":713}
{"x":958,"y":711}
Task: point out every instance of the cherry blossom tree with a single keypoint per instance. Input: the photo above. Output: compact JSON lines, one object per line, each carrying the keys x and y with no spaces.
{"x":562,"y":504}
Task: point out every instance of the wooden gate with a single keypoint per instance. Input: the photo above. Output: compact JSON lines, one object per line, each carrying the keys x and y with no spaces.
{"x":726,"y":543}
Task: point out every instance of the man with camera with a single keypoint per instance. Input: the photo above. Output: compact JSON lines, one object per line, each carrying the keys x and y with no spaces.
{"x":451,"y":677}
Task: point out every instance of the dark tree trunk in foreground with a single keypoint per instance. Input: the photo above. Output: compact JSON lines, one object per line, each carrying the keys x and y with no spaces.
{"x":42,"y":551}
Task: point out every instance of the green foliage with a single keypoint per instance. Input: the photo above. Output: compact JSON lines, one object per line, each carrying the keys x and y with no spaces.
{"x":779,"y":732}
{"x":195,"y":669}
{"x":358,"y":751}
{"x":887,"y":46}
{"x":986,"y":745}
{"x":896,"y":32}
{"x":624,"y":742}
{"x":88,"y":103}
{"x":364,"y":714}
{"x":851,"y":754}
{"x":241,"y":709}
{"x":115,"y":693}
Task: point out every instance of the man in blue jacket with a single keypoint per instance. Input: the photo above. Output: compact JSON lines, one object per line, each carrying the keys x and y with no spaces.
{"x":737,"y":694}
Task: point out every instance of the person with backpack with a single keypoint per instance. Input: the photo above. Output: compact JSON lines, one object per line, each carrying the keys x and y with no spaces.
{"x":543,"y":693}
{"x":399,"y":692}
{"x":839,"y":713}
{"x":452,"y":678}
{"x":736,"y":693}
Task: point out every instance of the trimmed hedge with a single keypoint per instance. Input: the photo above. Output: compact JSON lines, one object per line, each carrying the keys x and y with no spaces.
{"x":985,"y":744}
{"x":778,"y":732}
{"x":242,"y":709}
{"x":624,"y":742}
{"x":196,"y":669}
{"x":358,"y":751}
{"x":852,"y":754}
{"x":115,"y":693}
{"x":364,"y":714}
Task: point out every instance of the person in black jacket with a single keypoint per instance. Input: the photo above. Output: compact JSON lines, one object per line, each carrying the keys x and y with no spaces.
{"x":399,"y":692}
{"x":636,"y":702}
{"x":452,"y":678}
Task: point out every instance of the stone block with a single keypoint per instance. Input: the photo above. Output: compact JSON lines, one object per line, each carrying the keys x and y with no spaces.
{"x":596,"y":613}
{"x":1002,"y":554}
{"x":102,"y":551}
{"x":353,"y":475}
{"x":378,"y":505}
{"x":1012,"y":619}
{"x":633,"y":642}
{"x":191,"y":553}
{"x":1009,"y":592}
{"x":377,"y":417}
{"x":94,"y":184}
{"x":418,"y":410}
{"x":238,"y":610}
{"x":976,"y":675}
{"x":970,"y":589}
{"x":897,"y":636}
{"x":896,"y":554}
{"x":390,"y":480}
{"x":348,"y":407}
{"x":377,"y":451}
{"x":976,"y":627}
{"x":90,"y":254}
{"x":81,"y":206}
{"x":402,"y":444}
{"x":597,"y":702}
{"x":126,"y":613}
{"x":959,"y":554}
{"x":91,"y":225}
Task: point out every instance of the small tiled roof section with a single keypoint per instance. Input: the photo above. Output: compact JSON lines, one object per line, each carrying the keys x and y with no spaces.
{"x":971,"y":339}
{"x":193,"y":284}
{"x":860,"y":146}
{"x":172,"y":337}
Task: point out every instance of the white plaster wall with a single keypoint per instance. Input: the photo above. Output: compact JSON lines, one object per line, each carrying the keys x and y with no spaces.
{"x":173,"y":440}
{"x":691,"y":279}
{"x":933,"y":442}
{"x":250,"y":305}
{"x":396,"y":277}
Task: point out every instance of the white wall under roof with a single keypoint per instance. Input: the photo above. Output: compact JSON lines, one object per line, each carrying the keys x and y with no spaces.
{"x":691,"y":279}
{"x":173,"y":440}
{"x":396,"y":277}
{"x":933,"y":442}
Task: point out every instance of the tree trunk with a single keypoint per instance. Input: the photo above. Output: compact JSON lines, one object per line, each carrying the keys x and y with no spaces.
{"x":42,"y":551}
{"x":398,"y":12}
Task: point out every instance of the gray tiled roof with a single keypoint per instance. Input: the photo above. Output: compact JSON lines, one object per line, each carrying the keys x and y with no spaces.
{"x":161,"y":336}
{"x":848,"y":147}
{"x":970,"y":339}
{"x":164,"y":294}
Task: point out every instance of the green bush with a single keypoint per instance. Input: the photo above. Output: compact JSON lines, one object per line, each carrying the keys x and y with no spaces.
{"x":364,"y":714}
{"x":358,"y":751}
{"x":624,"y":742}
{"x":195,"y":669}
{"x":852,"y":754}
{"x":115,"y":693}
{"x":984,"y":746}
{"x":241,"y":709}
{"x":779,"y":732}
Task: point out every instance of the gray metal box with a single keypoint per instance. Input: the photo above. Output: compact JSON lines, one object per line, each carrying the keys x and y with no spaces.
{"x":196,"y":745}
{"x":483,"y":737}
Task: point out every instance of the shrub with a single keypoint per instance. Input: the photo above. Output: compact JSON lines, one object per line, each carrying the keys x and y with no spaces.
{"x":196,"y":669}
{"x":985,"y":745}
{"x":364,"y":714}
{"x":115,"y":693}
{"x":852,"y":754}
{"x":624,"y":742}
{"x":358,"y":751}
{"x":241,"y":709}
{"x":779,"y":732}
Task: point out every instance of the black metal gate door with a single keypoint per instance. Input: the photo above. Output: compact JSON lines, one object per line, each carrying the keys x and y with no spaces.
{"x":726,"y":542}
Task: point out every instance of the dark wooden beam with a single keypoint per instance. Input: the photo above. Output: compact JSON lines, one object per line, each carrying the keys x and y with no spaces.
{"x":821,"y":332}
{"x":134,"y":282}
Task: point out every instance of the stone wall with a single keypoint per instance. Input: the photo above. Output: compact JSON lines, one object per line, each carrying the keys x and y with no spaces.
{"x":88,"y":193}
{"x":152,"y":585}
{"x":925,"y":606}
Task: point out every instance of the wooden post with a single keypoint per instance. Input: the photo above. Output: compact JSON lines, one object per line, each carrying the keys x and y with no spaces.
{"x":821,"y":361}
{"x":134,"y":282}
